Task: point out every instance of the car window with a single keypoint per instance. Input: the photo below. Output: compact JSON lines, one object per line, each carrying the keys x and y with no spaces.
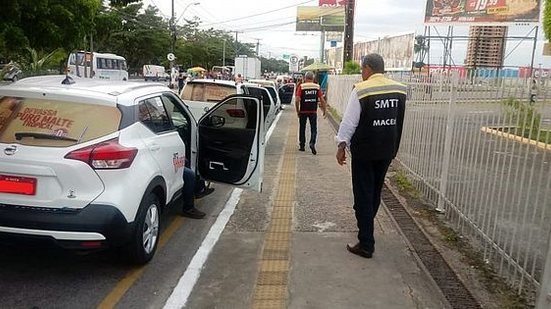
{"x":180,"y":119}
{"x":152,"y":113}
{"x":207,"y":92}
{"x":52,"y":123}
{"x":272,"y":92}
{"x":236,"y":113}
{"x":263,"y":95}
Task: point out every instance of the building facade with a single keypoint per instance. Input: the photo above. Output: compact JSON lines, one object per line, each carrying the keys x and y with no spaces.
{"x":486,"y":46}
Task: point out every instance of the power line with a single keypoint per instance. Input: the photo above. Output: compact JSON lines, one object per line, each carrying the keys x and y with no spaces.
{"x":260,"y":14}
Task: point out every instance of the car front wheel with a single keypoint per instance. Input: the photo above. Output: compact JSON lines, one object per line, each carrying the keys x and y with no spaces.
{"x":146,"y":234}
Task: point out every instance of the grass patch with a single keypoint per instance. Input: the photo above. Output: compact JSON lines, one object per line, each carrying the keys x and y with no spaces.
{"x":336,"y":116}
{"x":544,"y":135}
{"x":502,"y":294}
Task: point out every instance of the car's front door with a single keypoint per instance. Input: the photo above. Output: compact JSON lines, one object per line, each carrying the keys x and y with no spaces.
{"x":231,"y":142}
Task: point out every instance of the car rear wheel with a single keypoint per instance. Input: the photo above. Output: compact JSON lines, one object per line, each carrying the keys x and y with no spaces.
{"x":146,"y":234}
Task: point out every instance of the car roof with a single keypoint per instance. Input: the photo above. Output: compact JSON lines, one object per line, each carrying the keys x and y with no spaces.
{"x":214,"y":81}
{"x":105,"y":92}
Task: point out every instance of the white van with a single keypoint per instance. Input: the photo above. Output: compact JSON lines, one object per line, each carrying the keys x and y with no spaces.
{"x":97,"y":65}
{"x":155,"y":73}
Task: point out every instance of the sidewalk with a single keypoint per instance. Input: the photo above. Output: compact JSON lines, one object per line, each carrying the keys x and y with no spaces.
{"x":254,"y":265}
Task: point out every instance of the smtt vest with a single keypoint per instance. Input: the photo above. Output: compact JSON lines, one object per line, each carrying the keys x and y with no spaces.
{"x":309,"y":98}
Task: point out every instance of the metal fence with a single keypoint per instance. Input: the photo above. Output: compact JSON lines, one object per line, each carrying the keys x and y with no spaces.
{"x":478,"y":148}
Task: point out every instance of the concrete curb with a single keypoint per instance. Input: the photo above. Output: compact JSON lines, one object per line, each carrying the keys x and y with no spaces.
{"x":517,"y":138}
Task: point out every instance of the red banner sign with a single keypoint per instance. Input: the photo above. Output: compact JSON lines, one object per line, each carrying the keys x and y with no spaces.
{"x":332,"y":2}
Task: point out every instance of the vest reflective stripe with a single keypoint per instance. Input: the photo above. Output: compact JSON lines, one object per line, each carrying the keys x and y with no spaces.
{"x":381,"y":89}
{"x":309,"y":97}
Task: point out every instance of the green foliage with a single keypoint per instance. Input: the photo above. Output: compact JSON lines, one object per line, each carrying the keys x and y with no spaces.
{"x":274,"y":65}
{"x":35,"y":62}
{"x":547,"y":19}
{"x":351,"y":67}
{"x":123,"y":27}
{"x":45,"y":24}
{"x":523,"y":115}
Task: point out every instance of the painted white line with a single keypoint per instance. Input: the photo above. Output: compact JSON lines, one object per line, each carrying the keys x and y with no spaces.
{"x":183,"y":289}
{"x":271,"y":130}
{"x":181,"y":292}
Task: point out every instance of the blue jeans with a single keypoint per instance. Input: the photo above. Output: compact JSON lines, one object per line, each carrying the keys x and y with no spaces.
{"x":313,"y":119}
{"x":188,"y":191}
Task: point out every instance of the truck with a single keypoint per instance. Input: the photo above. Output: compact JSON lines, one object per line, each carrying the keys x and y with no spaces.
{"x":248,"y":67}
{"x":155,"y":73}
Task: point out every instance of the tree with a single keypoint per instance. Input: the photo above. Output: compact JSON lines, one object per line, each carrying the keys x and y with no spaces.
{"x":547,"y":19}
{"x":45,"y":24}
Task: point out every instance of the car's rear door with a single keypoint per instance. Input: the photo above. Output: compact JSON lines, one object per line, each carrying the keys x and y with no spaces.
{"x":231,"y":142}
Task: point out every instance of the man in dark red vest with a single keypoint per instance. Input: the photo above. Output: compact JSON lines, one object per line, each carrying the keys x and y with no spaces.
{"x":308,"y":95}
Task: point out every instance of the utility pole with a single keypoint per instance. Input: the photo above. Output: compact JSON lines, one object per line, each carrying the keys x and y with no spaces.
{"x":224,"y":54}
{"x":257,"y":47}
{"x":349,"y":30}
{"x":173,"y":28}
{"x":236,"y":32}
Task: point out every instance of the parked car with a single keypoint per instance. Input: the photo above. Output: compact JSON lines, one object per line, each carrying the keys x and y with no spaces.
{"x":272,"y":89}
{"x":201,"y":94}
{"x":10,"y":72}
{"x":91,"y":164}
{"x":287,"y":93}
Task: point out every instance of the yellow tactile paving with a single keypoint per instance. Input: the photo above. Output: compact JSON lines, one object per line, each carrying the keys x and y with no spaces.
{"x":273,"y":292}
{"x":273,"y":269}
{"x":270,"y":304}
{"x":272,"y":278}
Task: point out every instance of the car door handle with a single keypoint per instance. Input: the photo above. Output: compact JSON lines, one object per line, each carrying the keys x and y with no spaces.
{"x":214,"y":164}
{"x":154,"y":147}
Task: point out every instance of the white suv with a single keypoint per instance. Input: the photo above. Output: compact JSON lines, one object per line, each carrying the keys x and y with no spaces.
{"x":91,"y":164}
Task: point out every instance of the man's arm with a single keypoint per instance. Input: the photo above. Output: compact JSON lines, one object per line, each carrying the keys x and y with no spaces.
{"x":348,"y":126}
{"x":297,"y":99}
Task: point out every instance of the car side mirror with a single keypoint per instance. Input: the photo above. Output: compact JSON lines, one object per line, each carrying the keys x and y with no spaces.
{"x":217,"y":121}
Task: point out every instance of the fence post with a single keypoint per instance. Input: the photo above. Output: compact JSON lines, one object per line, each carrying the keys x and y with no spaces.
{"x":448,"y":143}
{"x":544,"y":295}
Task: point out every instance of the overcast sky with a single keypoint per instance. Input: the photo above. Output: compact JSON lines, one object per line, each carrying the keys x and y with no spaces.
{"x":272,"y":23}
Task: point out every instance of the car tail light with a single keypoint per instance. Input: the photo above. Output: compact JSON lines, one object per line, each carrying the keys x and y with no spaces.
{"x":236,"y":113}
{"x":105,"y":155}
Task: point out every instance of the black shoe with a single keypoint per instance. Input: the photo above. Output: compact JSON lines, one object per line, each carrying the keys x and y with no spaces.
{"x":204,"y":193}
{"x":359,"y":250}
{"x":193,"y":213}
{"x":301,"y":148}
{"x":313,"y":148}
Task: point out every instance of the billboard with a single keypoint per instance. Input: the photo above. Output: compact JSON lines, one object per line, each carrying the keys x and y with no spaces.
{"x":318,"y":18}
{"x":397,"y":51}
{"x":482,"y":11}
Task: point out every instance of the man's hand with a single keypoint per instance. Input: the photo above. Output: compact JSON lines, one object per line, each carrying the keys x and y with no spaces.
{"x":341,"y":156}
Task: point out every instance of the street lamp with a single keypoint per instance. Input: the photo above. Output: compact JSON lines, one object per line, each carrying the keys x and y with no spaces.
{"x":185,"y":9}
{"x":174,"y":22}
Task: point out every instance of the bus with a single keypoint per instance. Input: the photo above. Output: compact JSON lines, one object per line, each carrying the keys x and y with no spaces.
{"x":97,"y":65}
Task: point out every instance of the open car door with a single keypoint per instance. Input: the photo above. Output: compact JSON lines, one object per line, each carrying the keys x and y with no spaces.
{"x":231,"y":142}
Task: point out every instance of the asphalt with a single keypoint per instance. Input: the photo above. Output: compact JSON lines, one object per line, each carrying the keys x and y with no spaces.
{"x":322,"y":273}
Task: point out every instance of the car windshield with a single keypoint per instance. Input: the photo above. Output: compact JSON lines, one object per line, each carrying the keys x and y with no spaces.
{"x":207,"y":92}
{"x":51,"y":123}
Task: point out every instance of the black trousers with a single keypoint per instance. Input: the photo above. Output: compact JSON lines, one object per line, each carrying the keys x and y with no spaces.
{"x":313,"y":119}
{"x":367,"y":182}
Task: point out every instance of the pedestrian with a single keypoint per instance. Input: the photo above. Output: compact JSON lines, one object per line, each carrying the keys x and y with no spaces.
{"x":308,"y":96}
{"x":371,"y":128}
{"x":181,"y":81}
{"x":193,"y":189}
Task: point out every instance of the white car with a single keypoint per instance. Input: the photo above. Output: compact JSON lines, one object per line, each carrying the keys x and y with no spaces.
{"x":201,"y":94}
{"x":91,"y":164}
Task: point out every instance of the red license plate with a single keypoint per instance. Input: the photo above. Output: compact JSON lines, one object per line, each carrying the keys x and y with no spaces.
{"x":17,"y":185}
